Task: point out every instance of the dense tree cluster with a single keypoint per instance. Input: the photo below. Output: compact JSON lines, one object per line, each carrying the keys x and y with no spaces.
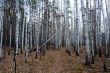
{"x":36,"y":25}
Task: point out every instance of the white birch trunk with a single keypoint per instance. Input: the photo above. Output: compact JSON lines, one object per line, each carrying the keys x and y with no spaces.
{"x":26,"y":15}
{"x":23,"y":32}
{"x":76,"y":28}
{"x":88,"y":53}
{"x":17,"y":25}
{"x":10,"y":34}
{"x":1,"y":25}
{"x":107,"y":29}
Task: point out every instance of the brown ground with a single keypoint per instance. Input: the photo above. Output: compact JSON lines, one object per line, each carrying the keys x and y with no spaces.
{"x":53,"y":62}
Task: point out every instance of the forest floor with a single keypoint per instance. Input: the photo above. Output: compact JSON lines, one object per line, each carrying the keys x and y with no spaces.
{"x":55,"y":61}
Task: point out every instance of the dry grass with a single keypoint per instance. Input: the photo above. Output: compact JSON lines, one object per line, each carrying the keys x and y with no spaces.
{"x":53,"y":62}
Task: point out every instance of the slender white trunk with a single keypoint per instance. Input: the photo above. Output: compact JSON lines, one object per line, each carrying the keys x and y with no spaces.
{"x":88,"y":53}
{"x":107,"y":29}
{"x":17,"y":24}
{"x":76,"y":28}
{"x":23,"y":33}
{"x":10,"y":34}
{"x":26,"y":16}
{"x":1,"y":25}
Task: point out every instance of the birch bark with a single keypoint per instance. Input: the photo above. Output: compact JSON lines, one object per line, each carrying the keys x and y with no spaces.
{"x":1,"y":25}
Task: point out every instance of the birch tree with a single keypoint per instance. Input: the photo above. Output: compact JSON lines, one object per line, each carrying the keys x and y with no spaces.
{"x":106,"y":29}
{"x":1,"y":25}
{"x":76,"y":28}
{"x":88,"y":53}
{"x":17,"y":25}
{"x":26,"y":17}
